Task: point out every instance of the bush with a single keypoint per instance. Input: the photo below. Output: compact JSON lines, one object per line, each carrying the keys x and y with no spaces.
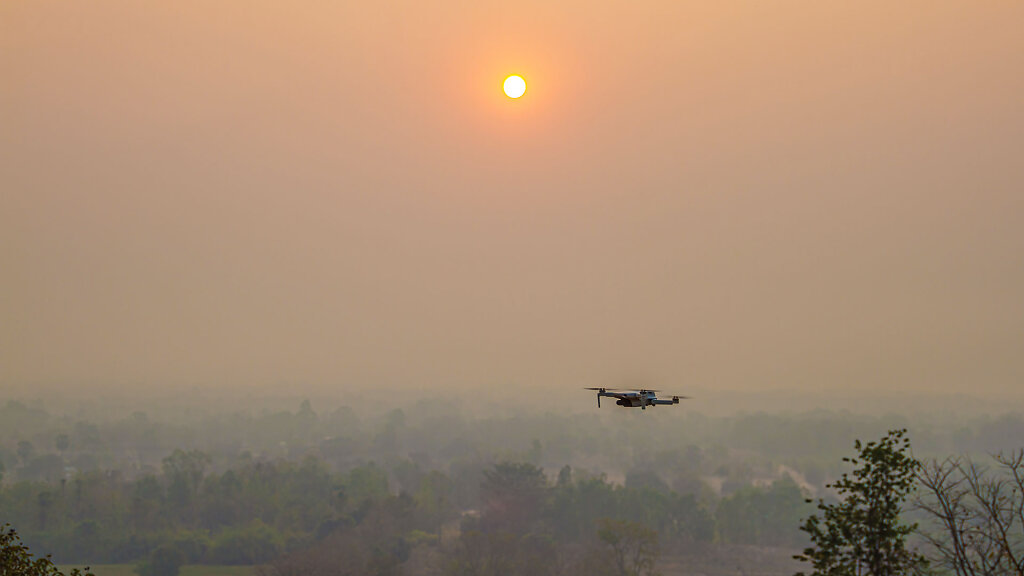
{"x":164,"y":561}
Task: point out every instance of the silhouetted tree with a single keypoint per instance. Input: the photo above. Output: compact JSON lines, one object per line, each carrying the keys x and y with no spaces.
{"x":184,"y":474}
{"x":976,"y":513}
{"x":17,"y":560}
{"x":862,"y":533}
{"x":513,"y":496}
{"x":633,"y":547}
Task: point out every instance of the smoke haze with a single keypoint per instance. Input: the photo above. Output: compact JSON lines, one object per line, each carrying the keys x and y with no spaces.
{"x":799,"y":195}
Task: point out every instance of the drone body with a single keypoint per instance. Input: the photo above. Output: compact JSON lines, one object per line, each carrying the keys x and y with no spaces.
{"x":634,"y":398}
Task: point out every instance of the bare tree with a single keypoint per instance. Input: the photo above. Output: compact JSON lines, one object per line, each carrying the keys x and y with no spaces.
{"x":977,"y":514}
{"x":633,"y":546}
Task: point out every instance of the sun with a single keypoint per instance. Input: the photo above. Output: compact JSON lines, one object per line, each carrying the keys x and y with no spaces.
{"x":515,"y":86}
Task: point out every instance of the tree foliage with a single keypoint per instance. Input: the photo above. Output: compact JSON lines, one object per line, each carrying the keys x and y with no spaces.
{"x":862,"y":533}
{"x":512,"y":496}
{"x":763,"y":516}
{"x":17,"y":560}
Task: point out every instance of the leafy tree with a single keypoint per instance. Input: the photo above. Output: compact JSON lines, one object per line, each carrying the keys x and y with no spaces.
{"x":363,"y":487}
{"x":564,"y":476}
{"x":862,"y":533}
{"x":184,"y":473}
{"x":434,"y":500}
{"x":17,"y":560}
{"x":185,"y":470}
{"x":763,"y":516}
{"x":512,"y":495}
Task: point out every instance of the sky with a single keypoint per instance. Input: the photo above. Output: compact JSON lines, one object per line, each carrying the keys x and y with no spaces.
{"x":814,"y":196}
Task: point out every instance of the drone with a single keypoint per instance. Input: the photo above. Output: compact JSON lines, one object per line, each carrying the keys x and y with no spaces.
{"x":635,"y":397}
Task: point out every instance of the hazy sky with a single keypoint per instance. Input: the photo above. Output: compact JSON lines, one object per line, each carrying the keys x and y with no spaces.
{"x":822,"y":195}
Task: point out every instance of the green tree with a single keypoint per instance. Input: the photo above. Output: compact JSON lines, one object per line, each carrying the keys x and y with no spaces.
{"x":254,"y":543}
{"x":763,"y":516}
{"x":862,"y":534}
{"x":17,"y":560}
{"x":184,"y":474}
{"x":434,"y":500}
{"x":512,"y":495}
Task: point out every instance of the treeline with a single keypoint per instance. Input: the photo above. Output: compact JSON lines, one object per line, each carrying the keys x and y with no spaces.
{"x":281,"y":486}
{"x":679,"y":445}
{"x":257,"y":511}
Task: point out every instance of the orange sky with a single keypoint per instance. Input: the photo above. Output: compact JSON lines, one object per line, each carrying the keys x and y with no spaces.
{"x":785,"y":194}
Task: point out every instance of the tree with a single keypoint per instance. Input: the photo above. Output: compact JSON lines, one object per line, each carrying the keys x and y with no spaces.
{"x":633,"y":546}
{"x":862,"y":533}
{"x":977,"y":514}
{"x":564,"y":476}
{"x":25,"y":451}
{"x":763,"y":516}
{"x":185,"y":470}
{"x":513,"y":495}
{"x":184,"y":473}
{"x":255,"y":543}
{"x":434,"y":500}
{"x":17,"y":560}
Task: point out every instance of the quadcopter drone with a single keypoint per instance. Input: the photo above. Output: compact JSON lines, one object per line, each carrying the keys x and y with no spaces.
{"x":634,"y":397}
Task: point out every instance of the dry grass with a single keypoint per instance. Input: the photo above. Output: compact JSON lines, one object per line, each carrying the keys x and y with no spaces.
{"x":191,"y":570}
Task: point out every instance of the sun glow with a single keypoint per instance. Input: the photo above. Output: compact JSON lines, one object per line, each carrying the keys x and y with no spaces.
{"x":515,"y":86}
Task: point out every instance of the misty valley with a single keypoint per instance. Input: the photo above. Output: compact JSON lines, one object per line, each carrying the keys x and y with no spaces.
{"x":439,"y":487}
{"x":532,"y":288}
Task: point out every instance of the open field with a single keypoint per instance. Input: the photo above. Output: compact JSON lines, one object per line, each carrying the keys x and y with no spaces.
{"x":191,"y":570}
{"x":731,"y":561}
